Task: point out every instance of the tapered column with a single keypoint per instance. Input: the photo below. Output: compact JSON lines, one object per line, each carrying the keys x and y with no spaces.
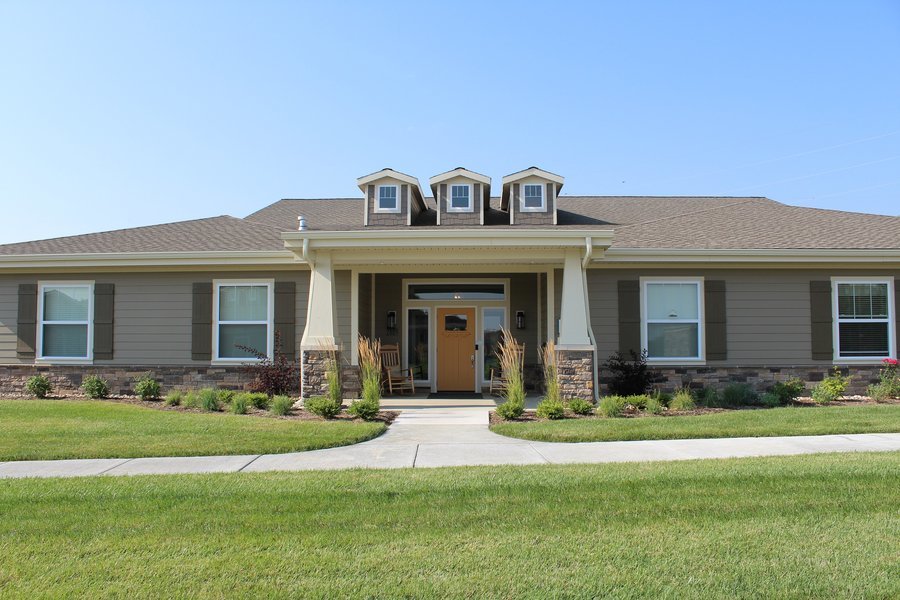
{"x":575,"y":357}
{"x":318,"y":344}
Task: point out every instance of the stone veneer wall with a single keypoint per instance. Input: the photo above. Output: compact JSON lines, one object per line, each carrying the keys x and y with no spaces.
{"x":575,"y":369}
{"x":314,"y":366}
{"x":670,"y":379}
{"x":68,"y":378}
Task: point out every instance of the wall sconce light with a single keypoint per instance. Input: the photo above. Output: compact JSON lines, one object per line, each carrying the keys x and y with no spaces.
{"x":392,"y":321}
{"x":520,"y":319}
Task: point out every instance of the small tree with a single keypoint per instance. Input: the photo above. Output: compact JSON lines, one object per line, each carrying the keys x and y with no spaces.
{"x":630,"y":377}
{"x":272,"y":375}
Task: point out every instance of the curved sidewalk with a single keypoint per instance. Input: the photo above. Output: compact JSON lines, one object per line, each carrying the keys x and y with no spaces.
{"x":436,"y":437}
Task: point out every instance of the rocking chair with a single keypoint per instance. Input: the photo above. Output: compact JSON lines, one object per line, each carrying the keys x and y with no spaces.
{"x":394,"y":377}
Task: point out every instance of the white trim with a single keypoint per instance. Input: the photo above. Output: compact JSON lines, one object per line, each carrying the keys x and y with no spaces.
{"x":551,"y":305}
{"x":459,"y":172}
{"x":378,"y":208}
{"x":39,"y":350}
{"x":533,"y":209}
{"x":700,"y":321}
{"x":354,"y":317}
{"x":741,"y":255}
{"x":270,"y":321}
{"x":836,"y":320}
{"x":533,"y":172}
{"x":457,"y":209}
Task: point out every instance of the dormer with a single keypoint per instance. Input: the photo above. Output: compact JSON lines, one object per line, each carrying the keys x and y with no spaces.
{"x":392,"y":198}
{"x":462,"y":196}
{"x":530,"y":196}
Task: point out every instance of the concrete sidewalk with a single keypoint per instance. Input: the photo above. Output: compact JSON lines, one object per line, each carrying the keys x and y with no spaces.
{"x":444,"y":437}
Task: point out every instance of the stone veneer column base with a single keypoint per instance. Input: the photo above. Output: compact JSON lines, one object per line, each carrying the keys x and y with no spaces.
{"x":575,"y":369}
{"x":314,"y":365}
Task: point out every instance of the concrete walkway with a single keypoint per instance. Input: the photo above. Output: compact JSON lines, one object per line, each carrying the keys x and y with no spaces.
{"x":444,"y":437}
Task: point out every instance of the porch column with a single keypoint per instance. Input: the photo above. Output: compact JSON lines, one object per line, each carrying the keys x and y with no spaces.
{"x":575,"y":348}
{"x":319,"y":334}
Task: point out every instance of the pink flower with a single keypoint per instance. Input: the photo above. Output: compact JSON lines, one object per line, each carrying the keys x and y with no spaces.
{"x":890,"y":362}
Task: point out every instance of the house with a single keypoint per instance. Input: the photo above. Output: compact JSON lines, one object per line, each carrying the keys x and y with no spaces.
{"x":715,"y":289}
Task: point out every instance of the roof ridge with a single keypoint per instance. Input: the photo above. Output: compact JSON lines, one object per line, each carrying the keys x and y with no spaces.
{"x":693,"y":212}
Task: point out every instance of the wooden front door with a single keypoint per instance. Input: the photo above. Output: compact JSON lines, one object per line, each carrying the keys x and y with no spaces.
{"x":456,"y":349}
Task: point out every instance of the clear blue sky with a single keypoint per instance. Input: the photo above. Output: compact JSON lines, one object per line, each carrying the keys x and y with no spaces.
{"x":119,"y":114}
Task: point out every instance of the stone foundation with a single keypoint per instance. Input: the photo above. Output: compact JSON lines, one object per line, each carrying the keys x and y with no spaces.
{"x":314,"y":368}
{"x":669,"y":379}
{"x":575,"y":369}
{"x":67,"y":379}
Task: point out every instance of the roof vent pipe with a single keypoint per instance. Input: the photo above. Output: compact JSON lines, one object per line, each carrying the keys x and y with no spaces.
{"x":301,"y":223}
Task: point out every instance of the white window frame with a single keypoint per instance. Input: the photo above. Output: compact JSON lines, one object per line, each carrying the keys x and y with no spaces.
{"x":542,"y":207}
{"x":836,"y":319}
{"x":39,"y":356}
{"x":379,"y":208}
{"x":701,"y":319}
{"x":269,"y":322}
{"x":468,"y":208}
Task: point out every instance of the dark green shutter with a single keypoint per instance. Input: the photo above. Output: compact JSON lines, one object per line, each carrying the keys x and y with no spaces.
{"x":104,"y":309}
{"x":716,"y":334}
{"x":443,"y":202}
{"x":404,"y":193}
{"x":201,"y":323}
{"x":513,"y":202}
{"x":897,"y":313}
{"x":629,"y":317}
{"x":26,"y":323}
{"x":371,"y":194}
{"x":285,"y":316}
{"x":821,"y":320}
{"x":549,"y":198}
{"x":476,"y":195}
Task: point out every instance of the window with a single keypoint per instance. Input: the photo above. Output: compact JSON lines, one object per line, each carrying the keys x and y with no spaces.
{"x":65,"y":328}
{"x":460,"y":198}
{"x":864,"y":320}
{"x":456,"y":291}
{"x":243,"y":319}
{"x":533,"y":198}
{"x":672,"y":320}
{"x":456,"y":322}
{"x":387,"y":199}
{"x":492,"y":320}
{"x":417,"y":342}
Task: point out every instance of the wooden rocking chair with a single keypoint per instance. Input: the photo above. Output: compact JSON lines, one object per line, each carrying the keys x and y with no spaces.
{"x":498,"y":378}
{"x":395,"y":377}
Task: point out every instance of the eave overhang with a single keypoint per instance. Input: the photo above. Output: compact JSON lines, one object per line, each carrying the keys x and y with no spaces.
{"x":144,"y":260}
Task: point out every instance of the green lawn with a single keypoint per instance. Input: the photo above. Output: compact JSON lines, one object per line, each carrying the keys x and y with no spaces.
{"x":741,"y":423}
{"x":818,"y":526}
{"x":50,"y":429}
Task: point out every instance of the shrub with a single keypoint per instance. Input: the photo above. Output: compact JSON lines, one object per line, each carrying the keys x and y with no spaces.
{"x":580,"y":406}
{"x":638,"y":401}
{"x":511,"y":409}
{"x":551,"y":375}
{"x":147,"y":388}
{"x":514,"y":394}
{"x":191,"y":400}
{"x":738,"y":394}
{"x":772,"y":400}
{"x":258,"y":399}
{"x":787,"y":391}
{"x":629,"y":377}
{"x":549,"y":408}
{"x":365,"y":409}
{"x":240,"y":404}
{"x":281,"y":405}
{"x":174,"y":398}
{"x":226,"y":396}
{"x":323,"y":406}
{"x":879,"y":392}
{"x":612,"y":406}
{"x":95,"y":387}
{"x":831,"y":388}
{"x":278,"y":375}
{"x":653,"y":405}
{"x":209,"y":400}
{"x":662,"y":397}
{"x":39,"y":386}
{"x":682,"y":400}
{"x":709,"y":397}
{"x":889,"y":384}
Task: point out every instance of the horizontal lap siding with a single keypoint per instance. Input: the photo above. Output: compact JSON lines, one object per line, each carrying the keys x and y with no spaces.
{"x":767,"y":311}
{"x":342,"y":302}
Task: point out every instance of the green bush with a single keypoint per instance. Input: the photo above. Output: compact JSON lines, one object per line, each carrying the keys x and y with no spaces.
{"x":551,"y":408}
{"x":95,"y":387}
{"x":639,"y":401}
{"x":831,"y":388}
{"x":324,"y":406}
{"x":653,"y":405}
{"x":879,"y":392}
{"x":191,"y":399}
{"x":281,"y":405}
{"x":366,"y":409}
{"x":258,"y":400}
{"x":682,"y":400}
{"x":39,"y":386}
{"x":739,"y":394}
{"x":662,"y":397}
{"x":239,"y":404}
{"x":889,"y":385}
{"x":612,"y":406}
{"x":580,"y":406}
{"x":511,"y":409}
{"x":709,"y":397}
{"x":147,"y":388}
{"x":788,"y":391}
{"x":174,"y":398}
{"x":771,"y":399}
{"x":226,"y":396}
{"x":209,"y":400}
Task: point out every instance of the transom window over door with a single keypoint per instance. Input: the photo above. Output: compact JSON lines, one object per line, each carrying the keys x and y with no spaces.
{"x":460,"y":197}
{"x":387,"y":199}
{"x":532,"y":197}
{"x":65,"y":328}
{"x":243,"y":319}
{"x":864,"y":319}
{"x":672,"y":321}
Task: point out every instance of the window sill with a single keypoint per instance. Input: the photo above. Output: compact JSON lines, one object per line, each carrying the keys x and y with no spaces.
{"x":460,"y":210}
{"x":860,"y":361}
{"x":64,"y":361}
{"x":676,"y":362}
{"x":387,"y":211}
{"x":532,"y":210}
{"x":234,"y":361}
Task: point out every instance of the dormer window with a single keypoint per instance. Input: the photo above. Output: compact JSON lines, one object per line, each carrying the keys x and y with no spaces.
{"x":460,"y":198}
{"x":387,"y":199}
{"x":533,"y":198}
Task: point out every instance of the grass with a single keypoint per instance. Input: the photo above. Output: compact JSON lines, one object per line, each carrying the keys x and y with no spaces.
{"x":51,"y":429}
{"x":820,"y":526}
{"x":741,"y":423}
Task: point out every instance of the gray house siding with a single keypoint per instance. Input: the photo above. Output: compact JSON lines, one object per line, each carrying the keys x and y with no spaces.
{"x":365,"y":304}
{"x":461,"y":218}
{"x":532,"y":218}
{"x":152,"y":313}
{"x":381,"y":219}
